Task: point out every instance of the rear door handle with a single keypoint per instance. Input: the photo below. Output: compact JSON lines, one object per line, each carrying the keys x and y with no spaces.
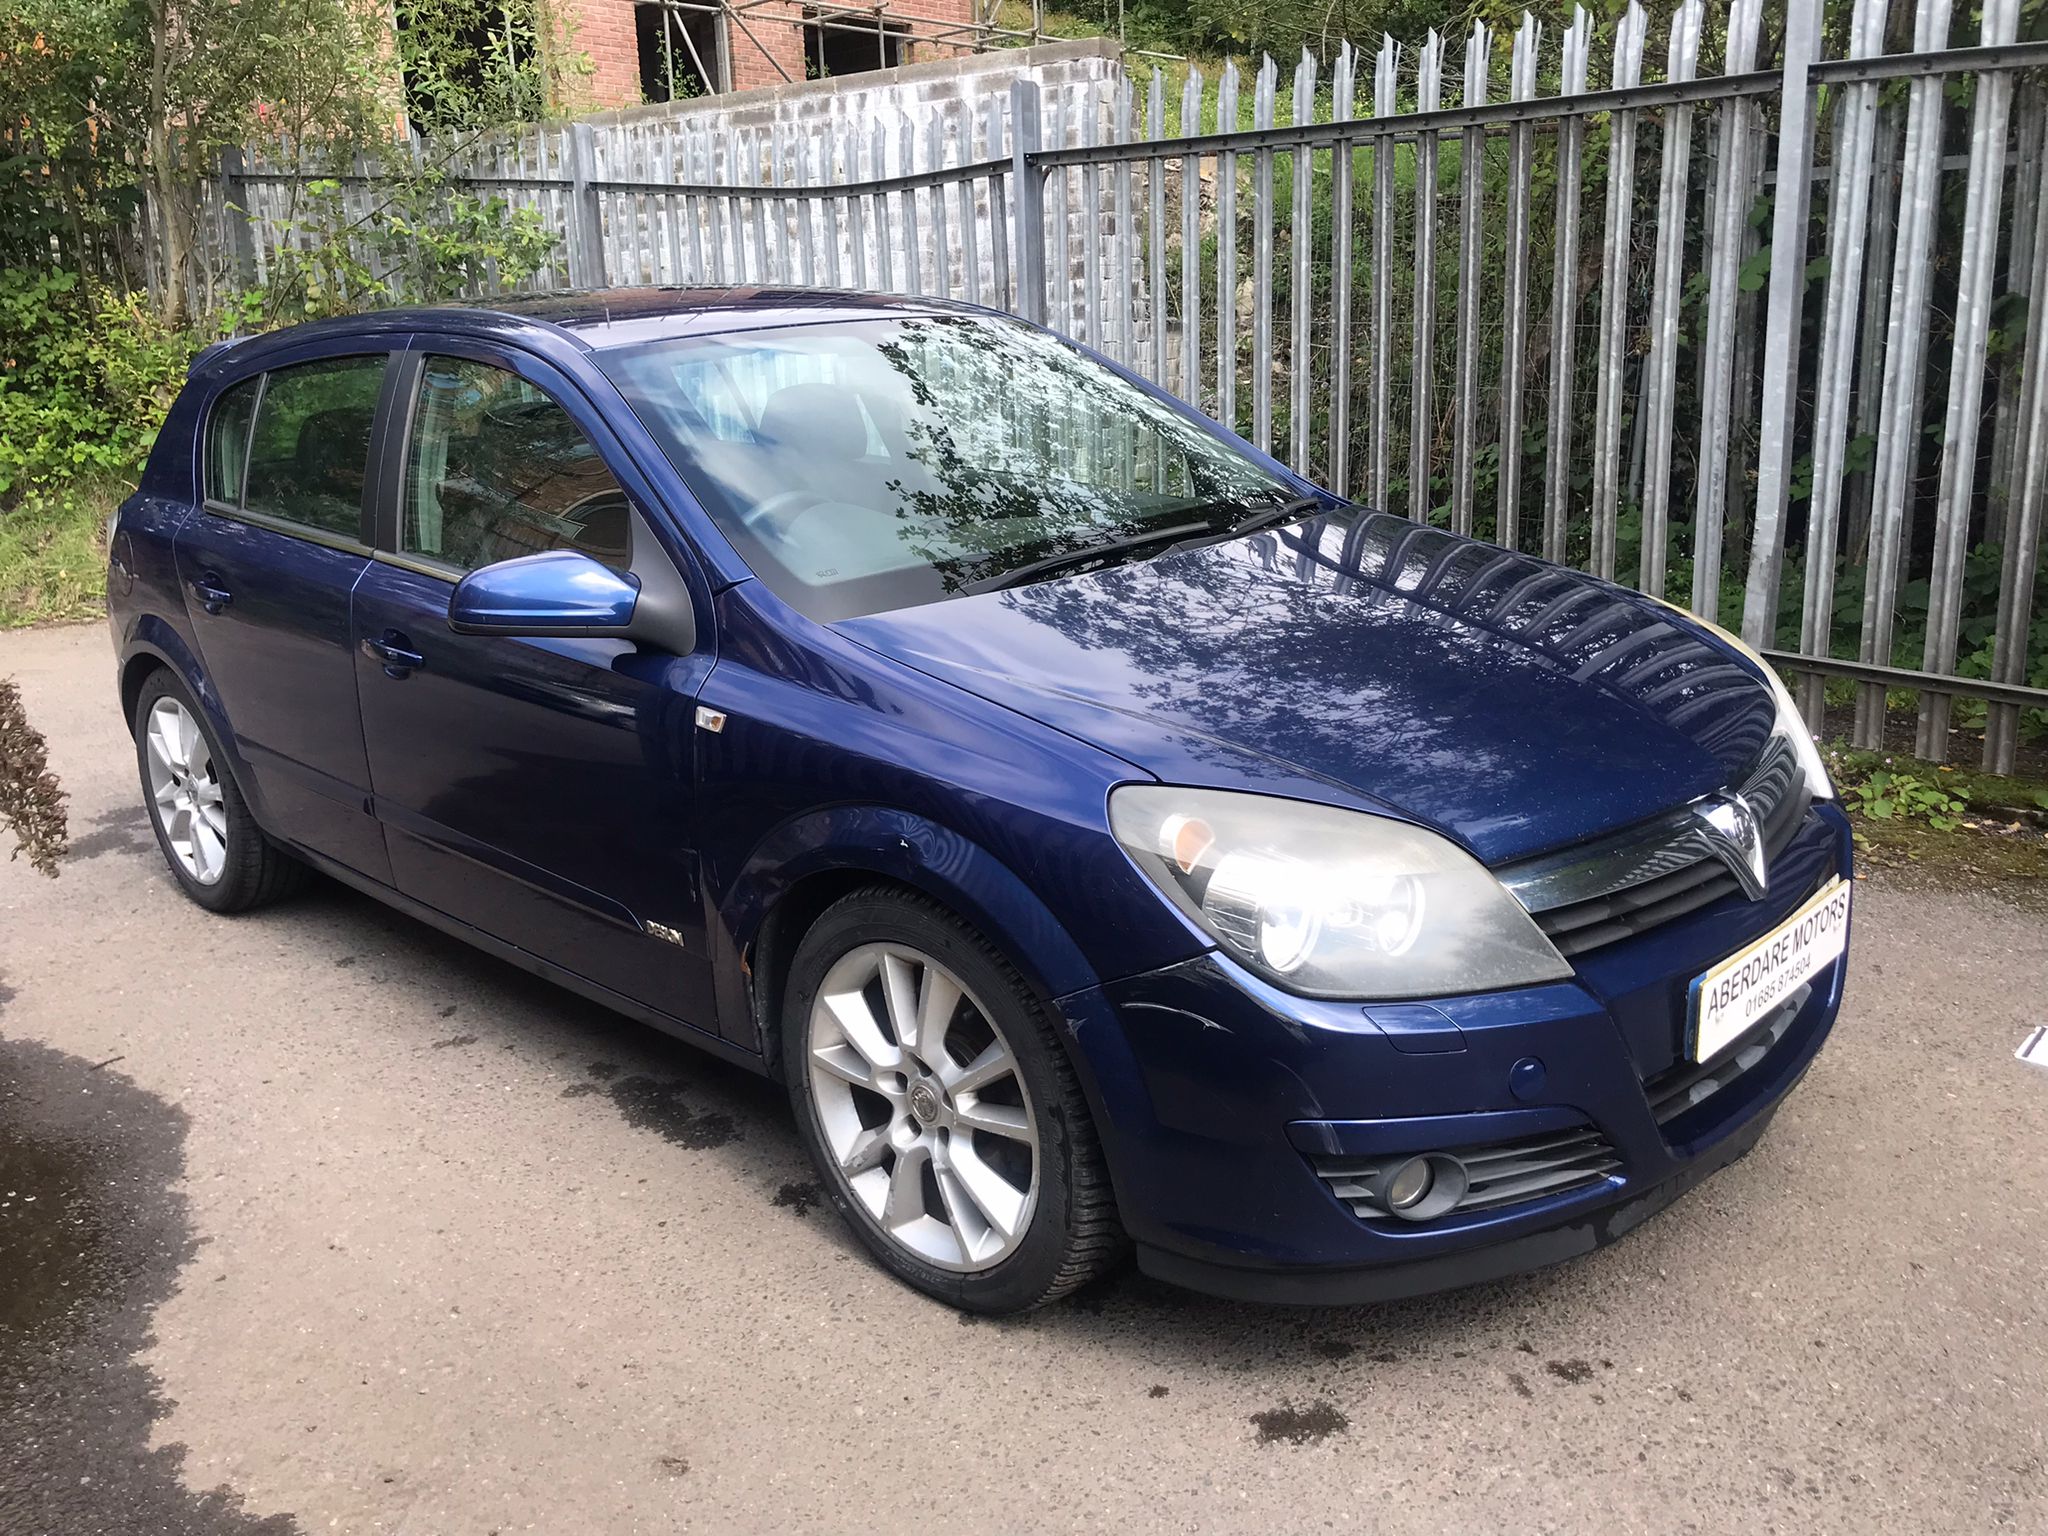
{"x":211,"y":594}
{"x":394,"y":654}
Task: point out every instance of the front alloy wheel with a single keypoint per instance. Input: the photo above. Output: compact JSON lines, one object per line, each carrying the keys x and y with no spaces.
{"x":922,"y":1108}
{"x":941,"y":1109}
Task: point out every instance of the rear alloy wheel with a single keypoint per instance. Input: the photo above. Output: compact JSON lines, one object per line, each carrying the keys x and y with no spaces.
{"x":941,"y":1110}
{"x":216,"y":851}
{"x":184,"y":786}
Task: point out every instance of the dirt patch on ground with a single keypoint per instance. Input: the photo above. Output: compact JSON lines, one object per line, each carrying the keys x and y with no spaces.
{"x":2008,"y":860}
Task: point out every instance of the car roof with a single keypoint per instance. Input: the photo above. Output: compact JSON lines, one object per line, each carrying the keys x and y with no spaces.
{"x":595,"y":319}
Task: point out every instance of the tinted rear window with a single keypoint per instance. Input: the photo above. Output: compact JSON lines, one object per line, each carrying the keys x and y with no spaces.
{"x":310,"y":453}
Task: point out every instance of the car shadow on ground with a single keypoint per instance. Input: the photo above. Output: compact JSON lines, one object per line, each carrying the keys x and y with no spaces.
{"x":706,"y":1106}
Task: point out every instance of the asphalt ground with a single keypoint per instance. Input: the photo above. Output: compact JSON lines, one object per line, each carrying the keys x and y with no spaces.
{"x":317,"y":1220}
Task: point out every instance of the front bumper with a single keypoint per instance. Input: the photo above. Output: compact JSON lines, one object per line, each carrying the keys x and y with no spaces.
{"x":1217,"y":1094}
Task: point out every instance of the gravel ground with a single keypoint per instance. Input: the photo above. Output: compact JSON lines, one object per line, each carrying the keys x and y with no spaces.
{"x":316,"y":1220}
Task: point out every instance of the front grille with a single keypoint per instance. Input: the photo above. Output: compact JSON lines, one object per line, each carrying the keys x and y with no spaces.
{"x":1603,"y":920}
{"x":1589,"y":897}
{"x":1689,"y":1084}
{"x":1501,"y":1173}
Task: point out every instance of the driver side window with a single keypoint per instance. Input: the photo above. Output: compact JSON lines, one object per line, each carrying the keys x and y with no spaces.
{"x":496,"y":469}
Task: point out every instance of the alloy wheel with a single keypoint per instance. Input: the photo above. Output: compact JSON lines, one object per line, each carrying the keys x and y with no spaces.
{"x":187,"y":791}
{"x":924,"y":1112}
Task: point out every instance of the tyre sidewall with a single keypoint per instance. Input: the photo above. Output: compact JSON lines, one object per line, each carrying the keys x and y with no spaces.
{"x":1024,"y":1278}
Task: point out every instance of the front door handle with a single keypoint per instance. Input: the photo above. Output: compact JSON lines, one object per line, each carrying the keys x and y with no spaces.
{"x":394,"y":654}
{"x":211,"y":594}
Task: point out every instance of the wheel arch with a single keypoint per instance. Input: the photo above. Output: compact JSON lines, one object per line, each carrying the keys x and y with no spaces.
{"x":805,"y":865}
{"x":135,"y":671}
{"x":158,"y":647}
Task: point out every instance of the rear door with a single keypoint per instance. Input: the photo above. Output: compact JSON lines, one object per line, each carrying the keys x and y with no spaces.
{"x":268,"y":565}
{"x":538,"y":789}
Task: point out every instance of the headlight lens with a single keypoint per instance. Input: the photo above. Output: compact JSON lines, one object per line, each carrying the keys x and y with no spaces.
{"x":1791,"y":724}
{"x":1332,"y":903}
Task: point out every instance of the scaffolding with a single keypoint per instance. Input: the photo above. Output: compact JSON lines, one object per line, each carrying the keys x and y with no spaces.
{"x":891,"y":28}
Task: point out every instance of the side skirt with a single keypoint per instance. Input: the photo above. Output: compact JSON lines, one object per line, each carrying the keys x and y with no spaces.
{"x":547,"y":970}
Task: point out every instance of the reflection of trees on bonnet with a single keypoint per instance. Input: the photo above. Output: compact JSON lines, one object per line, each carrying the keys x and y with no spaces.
{"x":1213,"y":635}
{"x":1250,"y":633}
{"x":1029,"y":449}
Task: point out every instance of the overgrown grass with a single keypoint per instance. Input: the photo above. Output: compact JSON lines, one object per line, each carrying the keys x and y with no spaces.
{"x":53,"y":561}
{"x":1949,"y":823}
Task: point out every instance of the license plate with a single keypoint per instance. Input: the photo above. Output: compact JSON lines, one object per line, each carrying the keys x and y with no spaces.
{"x":1744,"y":988}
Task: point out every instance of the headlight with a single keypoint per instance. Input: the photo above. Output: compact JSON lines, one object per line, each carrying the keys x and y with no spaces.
{"x":1791,"y":725}
{"x":1331,"y":903}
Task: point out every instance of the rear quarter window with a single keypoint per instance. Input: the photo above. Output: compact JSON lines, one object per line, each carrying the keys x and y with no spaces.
{"x":227,"y":442}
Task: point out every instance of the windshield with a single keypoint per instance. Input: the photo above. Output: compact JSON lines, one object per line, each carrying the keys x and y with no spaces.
{"x":877,"y":464}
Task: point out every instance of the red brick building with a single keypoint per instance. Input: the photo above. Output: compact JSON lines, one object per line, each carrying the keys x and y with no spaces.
{"x":659,"y":52}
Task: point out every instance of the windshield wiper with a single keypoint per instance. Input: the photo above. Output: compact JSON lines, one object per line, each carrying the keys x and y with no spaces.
{"x":1279,"y":512}
{"x":1067,"y":559}
{"x":1264,"y":517}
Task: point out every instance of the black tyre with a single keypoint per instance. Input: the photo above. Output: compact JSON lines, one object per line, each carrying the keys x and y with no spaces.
{"x":213,"y":846}
{"x":941,"y":1110}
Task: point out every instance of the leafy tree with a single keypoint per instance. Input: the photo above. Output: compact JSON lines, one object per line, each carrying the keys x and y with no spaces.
{"x":68,"y":177}
{"x":128,"y":105}
{"x":310,"y":74}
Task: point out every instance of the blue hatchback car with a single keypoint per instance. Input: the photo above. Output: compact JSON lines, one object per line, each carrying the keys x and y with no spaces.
{"x":1110,"y":839}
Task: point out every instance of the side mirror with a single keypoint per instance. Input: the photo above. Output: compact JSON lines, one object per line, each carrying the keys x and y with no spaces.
{"x":559,"y":592}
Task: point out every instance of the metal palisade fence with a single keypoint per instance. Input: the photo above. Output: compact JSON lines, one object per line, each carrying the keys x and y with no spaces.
{"x":1739,"y":318}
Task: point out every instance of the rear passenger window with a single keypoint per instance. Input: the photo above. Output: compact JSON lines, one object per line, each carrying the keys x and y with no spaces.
{"x":496,"y":470}
{"x":310,"y":452}
{"x":227,"y":442}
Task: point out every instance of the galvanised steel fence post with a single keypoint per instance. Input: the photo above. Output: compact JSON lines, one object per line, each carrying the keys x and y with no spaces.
{"x":1898,"y":411}
{"x":2025,"y":517}
{"x":1976,"y":278}
{"x":1781,"y":321}
{"x":1027,"y":201}
{"x":1848,"y":223}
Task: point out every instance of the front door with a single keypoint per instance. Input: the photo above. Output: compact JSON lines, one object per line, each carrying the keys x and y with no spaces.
{"x":538,"y":789}
{"x":268,"y":564}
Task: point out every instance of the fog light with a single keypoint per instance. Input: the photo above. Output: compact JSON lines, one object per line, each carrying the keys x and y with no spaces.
{"x":1410,"y":1184}
{"x":1423,"y":1187}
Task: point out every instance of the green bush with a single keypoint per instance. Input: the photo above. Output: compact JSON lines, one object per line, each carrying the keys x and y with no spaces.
{"x":89,"y":375}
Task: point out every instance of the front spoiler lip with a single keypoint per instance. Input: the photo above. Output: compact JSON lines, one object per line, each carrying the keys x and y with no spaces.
{"x":1580,"y":1233}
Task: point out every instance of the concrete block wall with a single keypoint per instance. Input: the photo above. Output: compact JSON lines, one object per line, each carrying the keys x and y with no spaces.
{"x":851,"y":128}
{"x":941,"y":241}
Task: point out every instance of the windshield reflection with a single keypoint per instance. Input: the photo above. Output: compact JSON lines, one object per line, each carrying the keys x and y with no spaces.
{"x":876,"y":464}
